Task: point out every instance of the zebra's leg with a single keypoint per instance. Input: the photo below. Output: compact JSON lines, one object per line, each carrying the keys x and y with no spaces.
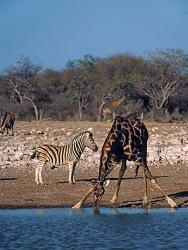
{"x":72,"y":167}
{"x":38,"y":173}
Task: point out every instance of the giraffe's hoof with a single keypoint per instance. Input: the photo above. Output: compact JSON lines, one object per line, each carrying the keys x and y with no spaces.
{"x":172,"y":203}
{"x":77,"y":206}
{"x":145,"y":202}
{"x":113,"y":200}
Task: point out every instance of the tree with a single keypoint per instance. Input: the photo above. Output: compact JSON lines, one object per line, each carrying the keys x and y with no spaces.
{"x":80,"y":77}
{"x":22,"y":79}
{"x":164,"y":76}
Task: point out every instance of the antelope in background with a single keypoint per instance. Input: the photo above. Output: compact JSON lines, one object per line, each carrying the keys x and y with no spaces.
{"x":108,"y":110}
{"x":7,"y":123}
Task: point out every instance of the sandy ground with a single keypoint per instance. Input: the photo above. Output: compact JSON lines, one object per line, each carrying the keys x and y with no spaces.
{"x":18,"y":189}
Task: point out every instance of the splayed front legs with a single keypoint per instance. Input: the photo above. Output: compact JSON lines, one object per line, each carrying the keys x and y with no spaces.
{"x":146,"y":174}
{"x":145,"y":199}
{"x":80,"y":203}
{"x":157,"y":186}
{"x":121,"y":173}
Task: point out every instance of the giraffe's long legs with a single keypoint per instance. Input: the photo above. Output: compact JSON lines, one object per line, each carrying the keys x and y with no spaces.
{"x":145,"y":199}
{"x":136,"y":171}
{"x":121,"y":173}
{"x":92,"y":190}
{"x":79,"y":204}
{"x":157,"y":186}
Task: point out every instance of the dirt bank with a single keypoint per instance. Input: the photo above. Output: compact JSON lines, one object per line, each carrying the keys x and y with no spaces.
{"x":167,"y":157}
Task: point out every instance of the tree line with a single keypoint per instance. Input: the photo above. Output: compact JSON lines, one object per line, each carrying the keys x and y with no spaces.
{"x":155,"y":85}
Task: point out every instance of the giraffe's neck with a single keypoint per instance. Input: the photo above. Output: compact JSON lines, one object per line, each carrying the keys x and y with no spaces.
{"x":111,"y":153}
{"x":106,"y":168}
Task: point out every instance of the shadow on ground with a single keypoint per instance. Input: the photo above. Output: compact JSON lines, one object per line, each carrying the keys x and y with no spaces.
{"x":110,"y":178}
{"x":8,"y":179}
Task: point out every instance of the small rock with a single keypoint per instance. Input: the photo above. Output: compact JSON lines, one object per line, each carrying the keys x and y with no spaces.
{"x":40,"y":132}
{"x":69,"y":133}
{"x":7,"y":163}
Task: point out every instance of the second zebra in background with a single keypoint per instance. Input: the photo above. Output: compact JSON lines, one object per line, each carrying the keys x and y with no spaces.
{"x":59,"y":155}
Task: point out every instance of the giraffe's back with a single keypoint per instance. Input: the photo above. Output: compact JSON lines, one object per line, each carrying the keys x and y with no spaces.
{"x":131,"y":136}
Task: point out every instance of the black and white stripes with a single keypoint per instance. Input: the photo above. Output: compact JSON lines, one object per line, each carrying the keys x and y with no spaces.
{"x":59,"y":155}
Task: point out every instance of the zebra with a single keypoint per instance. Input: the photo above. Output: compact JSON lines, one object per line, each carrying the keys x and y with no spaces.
{"x":7,"y":123}
{"x":59,"y":155}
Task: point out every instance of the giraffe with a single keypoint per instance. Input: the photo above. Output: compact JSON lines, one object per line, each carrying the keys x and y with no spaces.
{"x":106,"y":109}
{"x":127,"y":140}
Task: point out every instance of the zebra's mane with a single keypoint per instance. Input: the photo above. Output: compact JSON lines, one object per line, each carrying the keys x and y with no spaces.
{"x":87,"y":131}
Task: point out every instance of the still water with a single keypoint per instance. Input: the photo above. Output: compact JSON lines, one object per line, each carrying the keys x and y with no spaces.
{"x":64,"y":228}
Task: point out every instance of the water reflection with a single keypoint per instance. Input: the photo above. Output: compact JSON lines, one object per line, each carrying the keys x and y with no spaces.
{"x":173,"y":210}
{"x":112,"y":228}
{"x":40,"y":211}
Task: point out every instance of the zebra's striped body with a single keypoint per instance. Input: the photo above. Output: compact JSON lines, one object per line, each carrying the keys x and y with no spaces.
{"x":59,"y":155}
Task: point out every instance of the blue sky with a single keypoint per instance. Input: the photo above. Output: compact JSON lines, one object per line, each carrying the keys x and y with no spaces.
{"x":51,"y":32}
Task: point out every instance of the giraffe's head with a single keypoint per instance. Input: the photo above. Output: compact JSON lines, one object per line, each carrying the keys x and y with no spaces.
{"x":98,"y":192}
{"x":90,"y":141}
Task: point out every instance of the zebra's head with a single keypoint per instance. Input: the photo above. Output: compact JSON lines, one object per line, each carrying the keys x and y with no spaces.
{"x":90,"y":141}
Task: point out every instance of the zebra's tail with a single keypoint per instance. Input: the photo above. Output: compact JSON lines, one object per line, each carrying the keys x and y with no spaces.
{"x":33,"y":155}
